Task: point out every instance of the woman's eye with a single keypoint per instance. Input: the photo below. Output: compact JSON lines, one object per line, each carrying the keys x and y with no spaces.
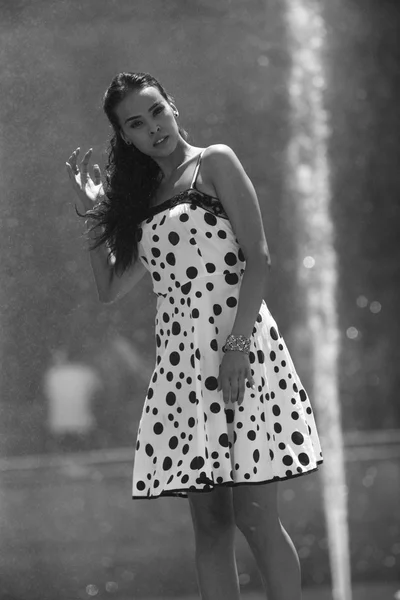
{"x":158,"y":110}
{"x":135,"y":124}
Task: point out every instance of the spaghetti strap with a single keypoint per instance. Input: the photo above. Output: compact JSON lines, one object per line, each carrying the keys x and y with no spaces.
{"x":196,"y":171}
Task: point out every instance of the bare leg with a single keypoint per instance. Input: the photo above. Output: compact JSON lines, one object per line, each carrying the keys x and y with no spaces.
{"x":214,"y":528}
{"x":256,"y":515}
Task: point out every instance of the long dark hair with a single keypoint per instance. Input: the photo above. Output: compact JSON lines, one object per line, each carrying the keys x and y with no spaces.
{"x":131,"y":178}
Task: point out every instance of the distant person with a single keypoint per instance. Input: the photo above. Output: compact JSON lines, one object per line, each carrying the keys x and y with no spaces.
{"x":225,"y":416}
{"x":70,"y":389}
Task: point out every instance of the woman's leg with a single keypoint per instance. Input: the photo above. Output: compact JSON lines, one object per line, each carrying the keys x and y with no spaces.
{"x":214,"y":528}
{"x":256,"y":515}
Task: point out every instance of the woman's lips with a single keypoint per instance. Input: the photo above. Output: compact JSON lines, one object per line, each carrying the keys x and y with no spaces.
{"x":160,"y":141}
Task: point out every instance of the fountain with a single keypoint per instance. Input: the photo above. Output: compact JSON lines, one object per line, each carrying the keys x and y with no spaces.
{"x":309,"y":192}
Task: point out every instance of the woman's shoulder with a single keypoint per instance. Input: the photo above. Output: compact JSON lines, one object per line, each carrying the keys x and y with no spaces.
{"x":218,"y":150}
{"x":220,"y":157}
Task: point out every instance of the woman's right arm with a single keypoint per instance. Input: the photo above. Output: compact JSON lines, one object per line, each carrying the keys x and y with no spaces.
{"x":110,"y":286}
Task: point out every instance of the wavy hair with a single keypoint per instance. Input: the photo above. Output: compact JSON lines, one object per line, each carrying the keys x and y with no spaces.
{"x":131,"y":179}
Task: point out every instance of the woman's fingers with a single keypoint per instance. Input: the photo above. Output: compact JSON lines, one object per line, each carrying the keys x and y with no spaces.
{"x":72,"y":160}
{"x":72,"y":166}
{"x":84,"y":166}
{"x":71,"y":174}
{"x":97,"y":174}
{"x":241,"y":389}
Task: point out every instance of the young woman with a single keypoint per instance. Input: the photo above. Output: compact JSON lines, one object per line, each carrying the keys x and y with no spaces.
{"x":225,"y":417}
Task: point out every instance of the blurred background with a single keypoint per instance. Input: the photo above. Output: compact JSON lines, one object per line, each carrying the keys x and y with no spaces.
{"x":74,"y":372}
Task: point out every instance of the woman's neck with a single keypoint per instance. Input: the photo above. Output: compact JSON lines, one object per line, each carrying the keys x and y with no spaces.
{"x":176,"y":159}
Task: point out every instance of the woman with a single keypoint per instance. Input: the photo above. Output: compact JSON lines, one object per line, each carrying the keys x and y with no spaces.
{"x":225,"y":415}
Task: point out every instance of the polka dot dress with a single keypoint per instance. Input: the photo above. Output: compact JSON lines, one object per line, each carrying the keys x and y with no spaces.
{"x":188,"y":438}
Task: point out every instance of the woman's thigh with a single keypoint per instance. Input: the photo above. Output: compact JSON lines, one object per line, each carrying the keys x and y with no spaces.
{"x":212,"y":511}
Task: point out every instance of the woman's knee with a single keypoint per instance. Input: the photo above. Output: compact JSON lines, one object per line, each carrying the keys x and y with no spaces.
{"x":255,"y":509}
{"x":212,"y":513}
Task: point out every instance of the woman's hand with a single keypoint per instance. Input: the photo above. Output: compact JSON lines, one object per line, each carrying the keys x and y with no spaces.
{"x":88,"y":190}
{"x":233,"y":370}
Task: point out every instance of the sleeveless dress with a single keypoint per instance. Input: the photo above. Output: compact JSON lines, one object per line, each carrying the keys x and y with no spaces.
{"x":188,"y":438}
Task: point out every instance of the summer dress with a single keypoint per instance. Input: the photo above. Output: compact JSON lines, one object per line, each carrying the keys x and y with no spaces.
{"x":188,"y":438}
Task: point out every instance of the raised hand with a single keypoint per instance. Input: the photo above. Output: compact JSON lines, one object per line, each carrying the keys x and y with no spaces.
{"x":88,"y":190}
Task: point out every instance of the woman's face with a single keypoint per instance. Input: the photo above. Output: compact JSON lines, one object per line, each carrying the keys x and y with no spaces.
{"x":148,"y":121}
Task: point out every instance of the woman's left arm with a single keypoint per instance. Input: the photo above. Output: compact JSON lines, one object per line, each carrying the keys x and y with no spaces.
{"x":238,"y":197}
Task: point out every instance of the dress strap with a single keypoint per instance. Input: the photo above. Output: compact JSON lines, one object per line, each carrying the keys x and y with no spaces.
{"x":196,"y":171}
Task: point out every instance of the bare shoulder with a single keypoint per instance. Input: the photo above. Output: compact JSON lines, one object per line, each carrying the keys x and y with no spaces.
{"x":221,"y":160}
{"x":219,"y":152}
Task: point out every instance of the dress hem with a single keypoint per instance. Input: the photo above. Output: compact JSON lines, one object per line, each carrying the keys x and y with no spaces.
{"x":182,"y":492}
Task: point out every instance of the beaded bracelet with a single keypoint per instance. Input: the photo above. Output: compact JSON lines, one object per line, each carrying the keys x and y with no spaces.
{"x":237,"y":342}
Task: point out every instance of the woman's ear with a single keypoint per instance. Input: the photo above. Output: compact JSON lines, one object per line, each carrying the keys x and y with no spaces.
{"x":174,"y":110}
{"x":127,"y":142}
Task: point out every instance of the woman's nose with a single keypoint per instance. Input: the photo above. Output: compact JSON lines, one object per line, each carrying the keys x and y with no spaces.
{"x":154,"y":129}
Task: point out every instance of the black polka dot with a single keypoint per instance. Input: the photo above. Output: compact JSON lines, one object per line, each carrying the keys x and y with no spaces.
{"x":297,"y":438}
{"x":173,"y":442}
{"x":210,"y":219}
{"x":260,"y":356}
{"x":170,"y":398}
{"x":230,"y":259}
{"x":211,"y":383}
{"x":176,"y":328}
{"x":282,"y":384}
{"x":231,"y":278}
{"x":149,"y":450}
{"x":210,"y":267}
{"x":230,"y":415}
{"x":217,"y":309}
{"x":304,"y":458}
{"x":197,"y":463}
{"x":273,"y":333}
{"x":231,"y":301}
{"x":158,"y":428}
{"x":215,"y":407}
{"x":191,"y":272}
{"x":223,"y":440}
{"x":174,"y":358}
{"x":167,"y":463}
{"x":170,"y":258}
{"x":173,"y":238}
{"x":186,"y":287}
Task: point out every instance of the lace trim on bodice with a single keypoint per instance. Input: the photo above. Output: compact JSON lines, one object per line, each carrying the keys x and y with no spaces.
{"x":193,"y":196}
